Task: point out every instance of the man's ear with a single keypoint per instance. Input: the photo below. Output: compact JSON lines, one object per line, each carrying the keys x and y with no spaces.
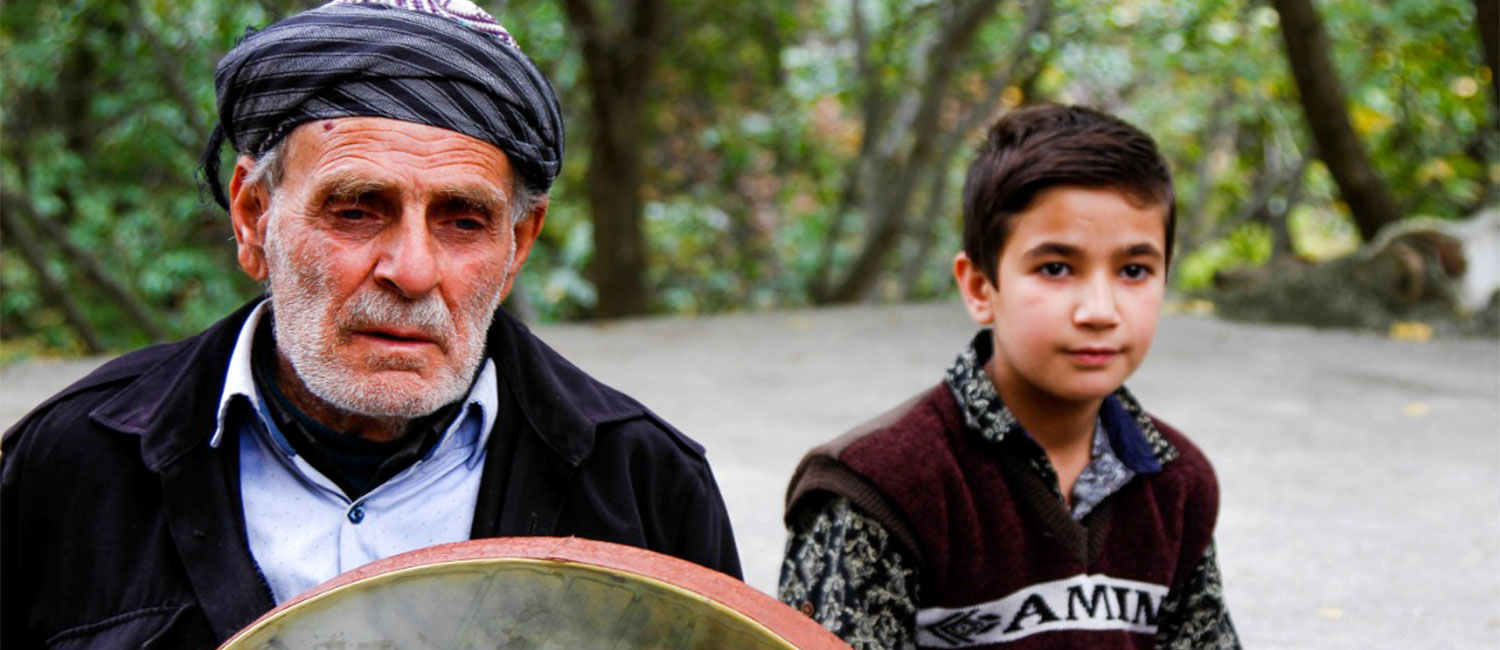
{"x":248,"y":207}
{"x":525,"y":233}
{"x":976,"y":289}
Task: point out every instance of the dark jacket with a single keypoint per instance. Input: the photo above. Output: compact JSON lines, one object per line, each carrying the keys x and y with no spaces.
{"x":120,"y":527}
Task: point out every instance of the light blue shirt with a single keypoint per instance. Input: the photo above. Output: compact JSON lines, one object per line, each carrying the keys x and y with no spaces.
{"x":302,"y":529}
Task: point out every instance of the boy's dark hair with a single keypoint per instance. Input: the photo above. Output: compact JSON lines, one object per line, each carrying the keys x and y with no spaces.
{"x":1047,"y":145}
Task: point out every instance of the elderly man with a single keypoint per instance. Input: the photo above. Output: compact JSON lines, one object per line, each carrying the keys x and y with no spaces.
{"x":392,"y":178}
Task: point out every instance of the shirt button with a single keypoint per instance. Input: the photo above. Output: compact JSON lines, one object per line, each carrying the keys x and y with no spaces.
{"x":357,"y":514}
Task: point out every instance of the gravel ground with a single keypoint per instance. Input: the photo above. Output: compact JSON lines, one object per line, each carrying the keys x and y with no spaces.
{"x":1360,"y":475}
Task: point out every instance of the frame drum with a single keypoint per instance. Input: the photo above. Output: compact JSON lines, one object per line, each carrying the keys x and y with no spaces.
{"x":533,"y":593}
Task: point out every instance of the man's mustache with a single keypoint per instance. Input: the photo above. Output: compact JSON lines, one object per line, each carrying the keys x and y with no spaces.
{"x":379,"y":309}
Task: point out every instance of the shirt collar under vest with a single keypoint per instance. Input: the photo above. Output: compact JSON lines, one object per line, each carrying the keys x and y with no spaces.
{"x":1133,"y":437}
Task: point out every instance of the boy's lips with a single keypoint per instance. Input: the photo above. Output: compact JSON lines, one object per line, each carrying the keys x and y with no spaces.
{"x":1092,"y":355}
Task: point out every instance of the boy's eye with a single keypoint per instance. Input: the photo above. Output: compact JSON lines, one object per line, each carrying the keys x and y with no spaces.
{"x":1053,"y":269}
{"x":1135,"y":272}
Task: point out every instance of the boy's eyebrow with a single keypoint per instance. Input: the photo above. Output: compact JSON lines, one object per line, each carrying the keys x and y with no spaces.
{"x":1052,"y":248}
{"x":1059,"y":249}
{"x":1144,"y":249}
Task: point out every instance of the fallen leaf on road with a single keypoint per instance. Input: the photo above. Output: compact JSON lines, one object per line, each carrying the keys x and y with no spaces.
{"x":1330,"y":613}
{"x":1193,"y":307}
{"x":1415,"y":409}
{"x":1411,"y":331}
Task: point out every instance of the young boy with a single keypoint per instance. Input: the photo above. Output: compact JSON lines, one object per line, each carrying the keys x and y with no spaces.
{"x":1027,"y":501}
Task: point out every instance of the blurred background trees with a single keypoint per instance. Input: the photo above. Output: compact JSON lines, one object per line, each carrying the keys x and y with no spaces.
{"x":767,"y":154}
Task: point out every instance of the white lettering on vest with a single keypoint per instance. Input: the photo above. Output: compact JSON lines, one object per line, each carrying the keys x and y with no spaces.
{"x":1082,"y":602}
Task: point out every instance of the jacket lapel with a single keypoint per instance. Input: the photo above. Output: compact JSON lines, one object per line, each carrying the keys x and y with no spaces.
{"x":538,"y":482}
{"x":207,"y":524}
{"x":521,"y":491}
{"x":549,"y":414}
{"x":173,"y":408}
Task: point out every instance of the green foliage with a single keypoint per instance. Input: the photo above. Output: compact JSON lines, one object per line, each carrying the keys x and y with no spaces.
{"x":105,"y":106}
{"x":1416,"y":97}
{"x":554,"y":273}
{"x":755,"y":118}
{"x":1249,"y":244}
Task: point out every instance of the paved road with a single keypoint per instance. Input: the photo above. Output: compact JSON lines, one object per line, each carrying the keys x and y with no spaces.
{"x":1360,"y":475}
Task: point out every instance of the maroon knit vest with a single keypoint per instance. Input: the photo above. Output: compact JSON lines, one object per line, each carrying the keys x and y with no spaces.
{"x":1002,"y":563}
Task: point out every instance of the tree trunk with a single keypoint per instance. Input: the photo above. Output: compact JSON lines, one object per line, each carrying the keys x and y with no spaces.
{"x":1193,"y":222}
{"x":1282,"y":245}
{"x":1017,"y":60}
{"x":889,"y":202}
{"x":926,"y":231}
{"x":1486,"y":145}
{"x":1324,"y":106}
{"x":1487,"y":15}
{"x":619,"y":60}
{"x":872,"y":115}
{"x":94,"y":269}
{"x":618,"y":269}
{"x":171,"y":77}
{"x":14,"y":227}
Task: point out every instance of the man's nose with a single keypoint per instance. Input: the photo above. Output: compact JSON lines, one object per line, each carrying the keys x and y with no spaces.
{"x":409,"y":262}
{"x":1096,"y":305}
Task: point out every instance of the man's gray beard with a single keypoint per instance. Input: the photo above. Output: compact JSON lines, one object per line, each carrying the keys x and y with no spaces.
{"x":307,"y":332}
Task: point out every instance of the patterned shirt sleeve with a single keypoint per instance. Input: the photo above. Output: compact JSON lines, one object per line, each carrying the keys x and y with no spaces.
{"x":1195,"y":617}
{"x":844,"y":570}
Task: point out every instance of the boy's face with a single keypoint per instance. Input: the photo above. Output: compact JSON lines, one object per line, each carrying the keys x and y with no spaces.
{"x":1078,"y":292}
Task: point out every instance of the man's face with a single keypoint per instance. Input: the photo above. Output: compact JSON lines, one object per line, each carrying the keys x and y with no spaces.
{"x":388,"y":246}
{"x":1077,"y":296}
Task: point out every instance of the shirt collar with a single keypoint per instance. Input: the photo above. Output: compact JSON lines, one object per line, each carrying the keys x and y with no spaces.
{"x":1132,"y":435}
{"x":239,"y":381}
{"x":239,"y":385}
{"x":484,"y":396}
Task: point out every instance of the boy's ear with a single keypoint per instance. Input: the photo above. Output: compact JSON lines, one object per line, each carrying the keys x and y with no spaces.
{"x":977,"y":290}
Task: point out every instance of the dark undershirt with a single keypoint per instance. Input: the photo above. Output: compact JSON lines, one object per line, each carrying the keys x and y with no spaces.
{"x":354,"y":464}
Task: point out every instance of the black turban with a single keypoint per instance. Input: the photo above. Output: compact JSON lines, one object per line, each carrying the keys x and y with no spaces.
{"x":374,"y":60}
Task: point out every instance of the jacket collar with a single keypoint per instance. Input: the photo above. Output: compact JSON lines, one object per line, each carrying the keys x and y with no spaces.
{"x":562,"y":403}
{"x":173,"y":405}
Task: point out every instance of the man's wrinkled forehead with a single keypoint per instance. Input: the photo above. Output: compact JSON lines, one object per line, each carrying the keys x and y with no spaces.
{"x":349,"y":158}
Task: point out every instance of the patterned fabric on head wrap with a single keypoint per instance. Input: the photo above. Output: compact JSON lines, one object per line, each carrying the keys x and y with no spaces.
{"x":443,"y":63}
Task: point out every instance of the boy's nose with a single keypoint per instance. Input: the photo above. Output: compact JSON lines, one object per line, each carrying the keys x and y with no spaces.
{"x":408,"y":262}
{"x":1096,"y":307}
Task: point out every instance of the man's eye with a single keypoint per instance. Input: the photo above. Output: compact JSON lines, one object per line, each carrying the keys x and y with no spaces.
{"x":1053,"y":269}
{"x":467,"y":224}
{"x":352,"y":214}
{"x":1135,"y":272}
